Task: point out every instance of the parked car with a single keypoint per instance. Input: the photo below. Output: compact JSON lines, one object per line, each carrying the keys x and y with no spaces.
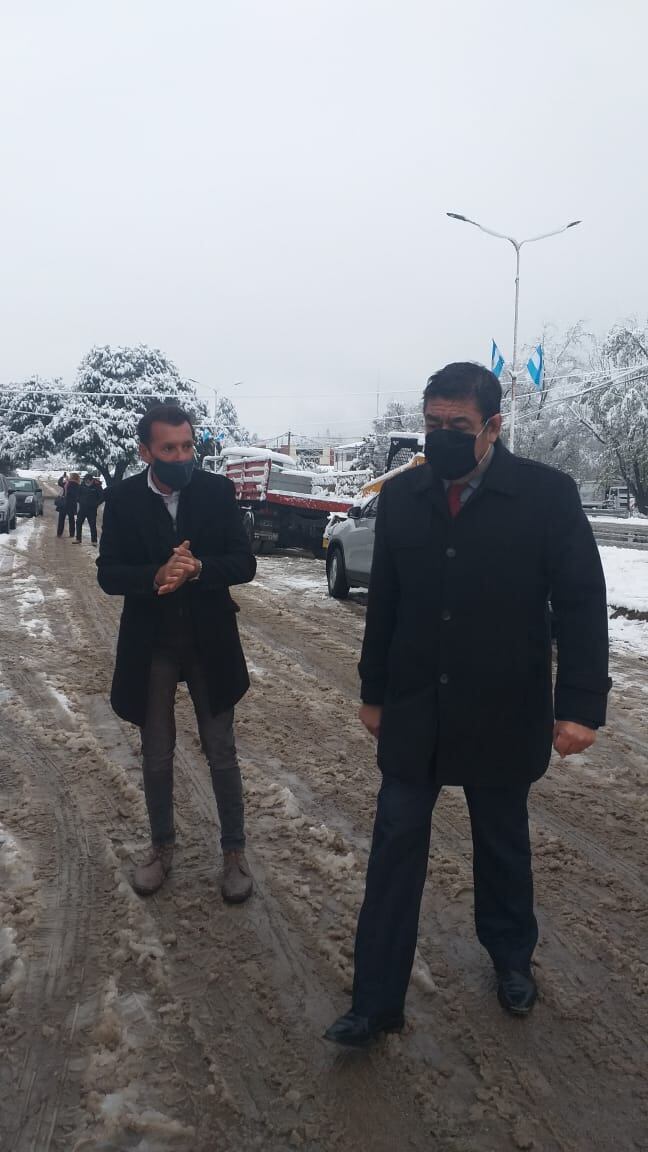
{"x":29,"y":496}
{"x":7,"y":504}
{"x":350,"y":546}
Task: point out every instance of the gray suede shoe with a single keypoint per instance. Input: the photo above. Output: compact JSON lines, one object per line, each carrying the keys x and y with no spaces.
{"x":237,"y":879}
{"x":153,"y":871}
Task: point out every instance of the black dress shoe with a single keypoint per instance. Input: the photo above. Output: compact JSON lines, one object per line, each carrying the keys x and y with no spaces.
{"x":354,"y":1031}
{"x":517,"y":992}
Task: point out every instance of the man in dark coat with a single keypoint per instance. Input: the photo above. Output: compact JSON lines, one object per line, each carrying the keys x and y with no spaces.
{"x":172,"y":544}
{"x":91,"y":495}
{"x":456,"y":675}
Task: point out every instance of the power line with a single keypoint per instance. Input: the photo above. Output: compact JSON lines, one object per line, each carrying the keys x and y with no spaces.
{"x":610,"y":380}
{"x":525,"y":417}
{"x":29,"y":391}
{"x":17,"y":390}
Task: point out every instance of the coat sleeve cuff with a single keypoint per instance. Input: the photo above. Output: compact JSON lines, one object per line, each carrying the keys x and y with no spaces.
{"x":581,"y":706}
{"x":373,"y":694}
{"x":579,"y":720}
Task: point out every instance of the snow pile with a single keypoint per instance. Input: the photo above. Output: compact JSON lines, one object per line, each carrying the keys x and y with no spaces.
{"x":12,"y":968}
{"x":251,"y":452}
{"x":28,"y":592}
{"x":342,"y":484}
{"x":60,"y":697}
{"x":29,"y":600}
{"x":21,"y":541}
{"x":115,"y":1098}
{"x":626,"y":576}
{"x":17,"y":891}
{"x":629,"y":635}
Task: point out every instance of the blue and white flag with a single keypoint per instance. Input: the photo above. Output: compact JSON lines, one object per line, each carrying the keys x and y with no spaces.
{"x":497,"y":361}
{"x":535,"y":368}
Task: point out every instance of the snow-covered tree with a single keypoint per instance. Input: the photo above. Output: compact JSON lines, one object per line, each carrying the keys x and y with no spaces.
{"x":365,"y":460}
{"x":219,"y":431}
{"x":545,"y":426}
{"x":27,"y":411}
{"x":227,"y":424}
{"x":397,"y":418}
{"x":97,"y":423}
{"x":617,"y":415}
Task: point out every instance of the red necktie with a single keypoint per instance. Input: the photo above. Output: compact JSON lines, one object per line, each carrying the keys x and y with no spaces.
{"x":454,"y":498}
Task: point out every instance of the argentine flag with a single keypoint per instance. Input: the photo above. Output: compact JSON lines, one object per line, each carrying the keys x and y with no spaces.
{"x":535,"y":368}
{"x":497,"y":361}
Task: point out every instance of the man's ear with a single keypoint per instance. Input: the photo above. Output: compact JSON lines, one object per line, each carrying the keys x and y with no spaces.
{"x":494,"y":427}
{"x":145,"y":454}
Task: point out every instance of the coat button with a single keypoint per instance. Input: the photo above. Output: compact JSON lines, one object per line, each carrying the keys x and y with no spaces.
{"x":451,"y":553}
{"x":444,"y":678}
{"x":446,"y":614}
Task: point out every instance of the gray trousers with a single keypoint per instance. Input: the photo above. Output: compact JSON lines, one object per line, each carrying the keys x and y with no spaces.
{"x":158,"y":746}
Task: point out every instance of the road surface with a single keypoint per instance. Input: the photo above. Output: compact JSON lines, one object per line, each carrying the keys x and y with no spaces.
{"x":180,"y":1024}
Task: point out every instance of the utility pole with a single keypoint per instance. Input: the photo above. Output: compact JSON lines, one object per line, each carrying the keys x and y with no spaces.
{"x":515,"y":344}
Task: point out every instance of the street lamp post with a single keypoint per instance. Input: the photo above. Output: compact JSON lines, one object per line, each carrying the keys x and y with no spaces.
{"x":517,"y":244}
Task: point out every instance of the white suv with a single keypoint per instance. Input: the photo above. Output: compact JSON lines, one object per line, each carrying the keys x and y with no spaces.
{"x":7,"y":505}
{"x":350,"y":549}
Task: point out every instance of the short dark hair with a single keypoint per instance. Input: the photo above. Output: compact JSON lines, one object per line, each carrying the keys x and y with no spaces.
{"x":162,"y":414}
{"x":463,"y":381}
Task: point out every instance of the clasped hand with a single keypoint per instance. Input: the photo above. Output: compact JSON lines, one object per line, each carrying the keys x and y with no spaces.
{"x":179,"y":568}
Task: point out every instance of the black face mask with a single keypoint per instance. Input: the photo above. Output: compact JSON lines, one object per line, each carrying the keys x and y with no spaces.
{"x":451,"y":454}
{"x":175,"y":474}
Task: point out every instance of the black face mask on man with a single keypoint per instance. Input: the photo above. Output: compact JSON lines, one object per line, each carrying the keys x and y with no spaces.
{"x":175,"y":474}
{"x":451,"y":454}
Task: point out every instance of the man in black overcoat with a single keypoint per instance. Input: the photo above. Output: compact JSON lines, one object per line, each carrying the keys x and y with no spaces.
{"x":172,"y":544}
{"x":91,"y":495}
{"x":456,"y":675}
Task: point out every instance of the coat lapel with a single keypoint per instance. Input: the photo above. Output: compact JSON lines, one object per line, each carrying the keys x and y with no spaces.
{"x":158,"y":524}
{"x":499,"y":476}
{"x":186,"y":517}
{"x":428,"y":487}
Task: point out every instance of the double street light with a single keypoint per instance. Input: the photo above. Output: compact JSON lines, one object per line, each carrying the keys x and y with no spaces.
{"x":517,"y":244}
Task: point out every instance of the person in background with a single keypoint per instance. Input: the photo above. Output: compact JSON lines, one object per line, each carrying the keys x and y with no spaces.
{"x":172,"y":544}
{"x":68,"y":502}
{"x":456,"y":682}
{"x":91,"y":495}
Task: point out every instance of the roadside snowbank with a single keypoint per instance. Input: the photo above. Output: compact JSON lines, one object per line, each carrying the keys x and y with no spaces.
{"x":630,"y":635}
{"x":626,"y":575}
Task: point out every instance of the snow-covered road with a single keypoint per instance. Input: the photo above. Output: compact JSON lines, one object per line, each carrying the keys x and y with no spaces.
{"x":178,"y":1023}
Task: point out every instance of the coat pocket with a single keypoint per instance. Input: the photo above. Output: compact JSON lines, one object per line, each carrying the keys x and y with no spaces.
{"x":408,"y":732}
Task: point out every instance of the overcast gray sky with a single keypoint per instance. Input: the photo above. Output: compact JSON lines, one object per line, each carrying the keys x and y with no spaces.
{"x":258,"y":188}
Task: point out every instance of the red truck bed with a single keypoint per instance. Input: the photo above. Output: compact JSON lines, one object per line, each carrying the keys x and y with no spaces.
{"x":252,"y":482}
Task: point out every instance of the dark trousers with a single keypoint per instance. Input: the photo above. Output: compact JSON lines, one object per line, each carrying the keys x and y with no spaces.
{"x":158,"y":746}
{"x":91,"y":517}
{"x":398,"y":863}
{"x":61,"y":522}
